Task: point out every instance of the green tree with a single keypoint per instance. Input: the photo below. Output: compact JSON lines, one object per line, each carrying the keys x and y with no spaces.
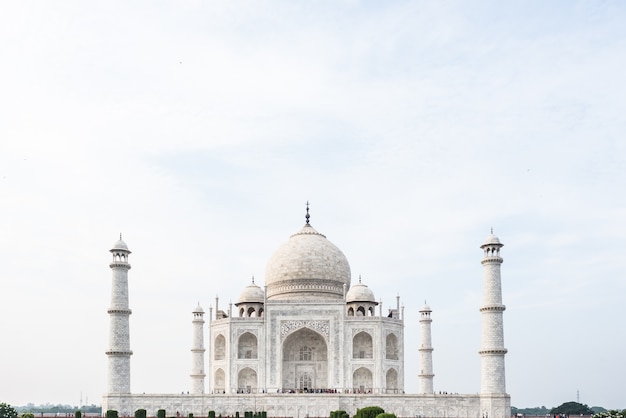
{"x":573,"y":408}
{"x":386,"y":415}
{"x":27,"y":415}
{"x":537,"y":410}
{"x":7,"y":411}
{"x":369,"y":412}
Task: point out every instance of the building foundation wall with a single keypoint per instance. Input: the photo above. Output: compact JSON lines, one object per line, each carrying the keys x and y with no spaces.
{"x":312,"y":405}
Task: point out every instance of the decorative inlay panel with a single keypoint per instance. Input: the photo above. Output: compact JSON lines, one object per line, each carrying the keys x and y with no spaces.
{"x":287,"y":327}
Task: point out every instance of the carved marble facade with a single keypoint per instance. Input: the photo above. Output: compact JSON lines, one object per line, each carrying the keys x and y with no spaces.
{"x":310,"y":342}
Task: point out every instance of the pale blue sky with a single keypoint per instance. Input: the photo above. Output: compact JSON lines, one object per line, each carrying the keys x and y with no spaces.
{"x":200,"y":129}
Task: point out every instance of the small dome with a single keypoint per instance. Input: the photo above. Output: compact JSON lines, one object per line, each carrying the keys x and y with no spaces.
{"x":360,"y":293}
{"x":252,"y":294}
{"x":198,"y":309}
{"x":426,"y":308}
{"x":120,"y":245}
{"x":491,"y":240}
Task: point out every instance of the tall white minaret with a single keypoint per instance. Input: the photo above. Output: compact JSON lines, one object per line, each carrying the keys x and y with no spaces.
{"x":492,"y":351}
{"x":119,"y":333}
{"x":426,"y":352}
{"x":197,"y":352}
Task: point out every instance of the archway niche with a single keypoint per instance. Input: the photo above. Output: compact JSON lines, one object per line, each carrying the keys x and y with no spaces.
{"x":305,"y":361}
{"x":391,"y":347}
{"x":247,"y":381}
{"x":362,"y":346}
{"x":362,"y":380}
{"x":247,"y":346}
{"x":220,"y":381}
{"x":220,"y":347}
{"x":392,"y":381}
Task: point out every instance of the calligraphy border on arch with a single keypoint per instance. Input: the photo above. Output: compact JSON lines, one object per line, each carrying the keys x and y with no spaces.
{"x":289,"y":326}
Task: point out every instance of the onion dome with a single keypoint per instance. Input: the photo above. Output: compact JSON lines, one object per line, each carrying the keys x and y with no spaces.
{"x":120,"y":245}
{"x":360,"y":293}
{"x":492,"y":240}
{"x":425,"y":308}
{"x":252,"y":294}
{"x":198,"y":309}
{"x":307,"y":267}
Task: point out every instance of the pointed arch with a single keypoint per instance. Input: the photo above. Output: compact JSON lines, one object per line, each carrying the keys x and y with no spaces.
{"x":247,"y":346}
{"x":220,"y":381}
{"x":305,"y":361}
{"x":219,"y":352}
{"x":362,"y":345}
{"x":391,"y":347}
{"x":391,"y":380}
{"x":247,"y":380}
{"x":362,"y":380}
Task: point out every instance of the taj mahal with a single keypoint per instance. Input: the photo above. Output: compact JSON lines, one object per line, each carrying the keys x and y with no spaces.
{"x":309,"y":342}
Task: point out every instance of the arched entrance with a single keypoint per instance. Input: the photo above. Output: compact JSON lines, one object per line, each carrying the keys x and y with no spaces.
{"x":247,"y":346}
{"x":362,"y":380}
{"x":392,"y":381}
{"x":391,"y":347}
{"x":305,"y":361}
{"x":247,"y":381}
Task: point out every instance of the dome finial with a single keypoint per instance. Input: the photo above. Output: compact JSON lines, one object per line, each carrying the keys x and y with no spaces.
{"x":359,"y":278}
{"x":492,"y":230}
{"x":307,"y":213}
{"x":253,"y":279}
{"x":120,"y":236}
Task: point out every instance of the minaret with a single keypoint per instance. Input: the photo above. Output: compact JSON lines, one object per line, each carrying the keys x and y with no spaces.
{"x":492,"y":349}
{"x":119,"y":333}
{"x":197,"y":352}
{"x":426,"y":352}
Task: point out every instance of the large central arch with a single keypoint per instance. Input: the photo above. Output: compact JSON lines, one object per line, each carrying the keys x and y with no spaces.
{"x":305,"y":361}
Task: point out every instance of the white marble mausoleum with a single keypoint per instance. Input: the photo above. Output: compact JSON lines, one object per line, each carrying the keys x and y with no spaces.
{"x":309,"y":342}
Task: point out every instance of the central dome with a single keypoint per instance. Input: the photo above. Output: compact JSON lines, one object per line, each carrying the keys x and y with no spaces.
{"x":307,"y":267}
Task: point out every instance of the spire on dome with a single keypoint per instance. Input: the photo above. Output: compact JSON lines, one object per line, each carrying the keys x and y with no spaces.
{"x":253,"y":279}
{"x":307,"y":213}
{"x":359,"y":278}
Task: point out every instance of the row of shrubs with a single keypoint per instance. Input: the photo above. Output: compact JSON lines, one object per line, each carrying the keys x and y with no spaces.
{"x":142,"y":413}
{"x":367,"y":412}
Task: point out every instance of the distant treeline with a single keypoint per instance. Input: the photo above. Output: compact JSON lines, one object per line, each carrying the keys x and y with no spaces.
{"x":542,"y":410}
{"x":58,"y":409}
